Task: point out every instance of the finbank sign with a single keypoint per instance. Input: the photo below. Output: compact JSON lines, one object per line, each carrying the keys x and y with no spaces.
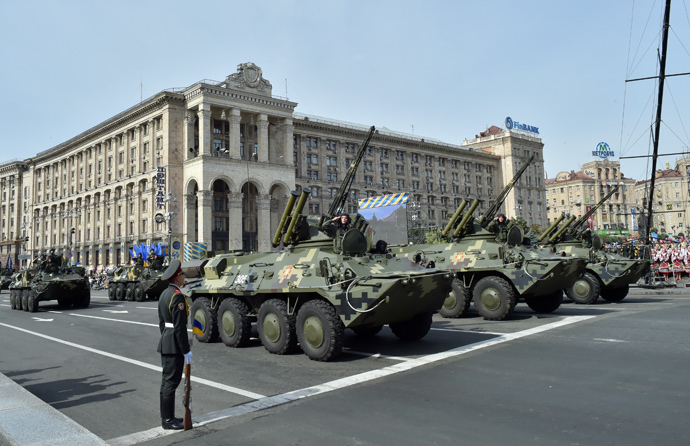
{"x":514,"y":125}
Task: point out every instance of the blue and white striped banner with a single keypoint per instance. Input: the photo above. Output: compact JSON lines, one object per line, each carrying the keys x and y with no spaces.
{"x":383,"y":200}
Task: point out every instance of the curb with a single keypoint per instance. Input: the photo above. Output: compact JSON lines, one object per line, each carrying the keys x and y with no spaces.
{"x":27,"y":420}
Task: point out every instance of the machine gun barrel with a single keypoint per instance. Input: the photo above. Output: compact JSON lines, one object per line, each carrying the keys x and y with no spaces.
{"x":286,"y":213}
{"x":341,"y":196}
{"x":295,"y":215}
{"x":562,"y":229}
{"x":551,"y":228}
{"x":465,"y":218}
{"x":455,"y":216}
{"x":580,"y":221}
{"x":489,"y":215}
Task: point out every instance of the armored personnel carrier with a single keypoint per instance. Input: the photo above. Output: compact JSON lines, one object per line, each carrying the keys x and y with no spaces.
{"x":68,"y":286}
{"x":5,"y":278}
{"x":136,"y":283}
{"x":324,"y":281}
{"x":495,"y":270}
{"x":607,"y":274}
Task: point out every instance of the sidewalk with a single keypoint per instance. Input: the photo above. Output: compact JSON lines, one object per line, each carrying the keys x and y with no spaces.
{"x":25,"y":420}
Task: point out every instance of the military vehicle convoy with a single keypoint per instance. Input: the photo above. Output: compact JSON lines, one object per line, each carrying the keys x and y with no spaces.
{"x":68,"y":286}
{"x":324,"y":281}
{"x":5,"y":278}
{"x":136,"y":283}
{"x":608,"y":274}
{"x":495,"y":271}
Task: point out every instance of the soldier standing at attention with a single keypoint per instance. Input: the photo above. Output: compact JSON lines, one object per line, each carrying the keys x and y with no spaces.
{"x":173,"y":345}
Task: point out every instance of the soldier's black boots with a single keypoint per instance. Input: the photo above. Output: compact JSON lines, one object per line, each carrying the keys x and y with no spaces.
{"x":173,"y":423}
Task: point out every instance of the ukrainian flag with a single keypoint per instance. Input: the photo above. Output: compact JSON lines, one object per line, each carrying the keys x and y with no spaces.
{"x":197,"y":328}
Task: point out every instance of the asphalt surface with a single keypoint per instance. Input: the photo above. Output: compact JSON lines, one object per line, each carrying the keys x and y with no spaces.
{"x":600,"y":374}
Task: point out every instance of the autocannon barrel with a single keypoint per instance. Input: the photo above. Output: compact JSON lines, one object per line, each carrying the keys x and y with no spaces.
{"x":295,"y":215}
{"x":551,"y":228}
{"x":466,"y":218}
{"x":562,"y":229}
{"x":286,"y":213}
{"x":453,"y":219}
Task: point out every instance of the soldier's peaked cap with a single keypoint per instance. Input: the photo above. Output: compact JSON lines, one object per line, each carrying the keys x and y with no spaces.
{"x":172,"y":270}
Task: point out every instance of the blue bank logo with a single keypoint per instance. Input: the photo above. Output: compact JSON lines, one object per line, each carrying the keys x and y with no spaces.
{"x":514,"y":125}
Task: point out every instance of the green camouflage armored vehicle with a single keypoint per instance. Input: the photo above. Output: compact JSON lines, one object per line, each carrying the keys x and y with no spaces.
{"x":5,"y":278}
{"x":493,"y":270}
{"x":135,"y":283}
{"x":324,"y":281}
{"x":608,"y":274}
{"x":67,"y":285}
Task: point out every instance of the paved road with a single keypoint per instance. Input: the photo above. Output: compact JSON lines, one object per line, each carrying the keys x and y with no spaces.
{"x":601,"y":374}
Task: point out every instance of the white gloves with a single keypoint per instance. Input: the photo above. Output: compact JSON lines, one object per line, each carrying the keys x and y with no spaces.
{"x":188,"y":357}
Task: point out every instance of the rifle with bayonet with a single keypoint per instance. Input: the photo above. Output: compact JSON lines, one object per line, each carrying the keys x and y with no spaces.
{"x":187,"y":397}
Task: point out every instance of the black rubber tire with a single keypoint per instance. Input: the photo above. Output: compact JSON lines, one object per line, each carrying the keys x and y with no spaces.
{"x":320,"y":331}
{"x":25,"y":300}
{"x":585,"y":290}
{"x":18,"y":299}
{"x":276,"y":328}
{"x":13,"y":302}
{"x":494,"y":298}
{"x":458,"y":301}
{"x":112,"y":289}
{"x":413,"y":329}
{"x":32,"y":301}
{"x":120,"y":291}
{"x":545,"y":304}
{"x":234,"y":324}
{"x":138,"y":293}
{"x":83,"y":300}
{"x":615,"y":294}
{"x":129,"y":292}
{"x":206,"y":315}
{"x":367,"y":331}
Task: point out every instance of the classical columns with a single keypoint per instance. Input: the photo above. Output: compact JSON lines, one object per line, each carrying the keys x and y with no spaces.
{"x":287,"y":141}
{"x":262,"y":124}
{"x":189,"y":133}
{"x":264,"y":222}
{"x":189,"y":228}
{"x":204,"y":198}
{"x":204,"y":114}
{"x":235,"y":215}
{"x":234,"y":122}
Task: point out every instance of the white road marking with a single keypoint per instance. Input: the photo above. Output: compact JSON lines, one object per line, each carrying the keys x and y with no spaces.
{"x":376,"y":355}
{"x":116,"y":311}
{"x":609,"y":340}
{"x":456,"y":330}
{"x":115,"y":320}
{"x":276,"y":400}
{"x":207,"y":382}
{"x":38,"y":319}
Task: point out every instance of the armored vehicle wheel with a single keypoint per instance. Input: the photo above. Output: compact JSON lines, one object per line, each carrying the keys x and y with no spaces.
{"x":615,"y":294}
{"x":367,"y":331}
{"x":32,"y":301}
{"x":414,"y":329}
{"x":18,"y":299}
{"x":276,"y":328}
{"x":120,"y":291}
{"x":234,"y":325}
{"x":129,"y":292}
{"x":457,"y":302}
{"x":139,"y":293}
{"x":83,"y":300}
{"x":25,"y":300}
{"x":319,"y":330}
{"x":206,"y":315}
{"x":585,"y":290}
{"x":493,"y":298}
{"x":112,"y":291}
{"x":545,"y":304}
{"x":13,"y":303}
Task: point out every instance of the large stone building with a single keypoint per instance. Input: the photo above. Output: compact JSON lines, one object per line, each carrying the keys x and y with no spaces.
{"x":669,"y":200}
{"x":215,"y":162}
{"x":575,"y":193}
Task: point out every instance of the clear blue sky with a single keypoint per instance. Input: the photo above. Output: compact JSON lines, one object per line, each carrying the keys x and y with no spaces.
{"x":448,"y":68}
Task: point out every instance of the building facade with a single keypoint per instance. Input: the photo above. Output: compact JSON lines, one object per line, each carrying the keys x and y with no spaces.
{"x":669,"y":200}
{"x":215,"y":163}
{"x":575,"y":193}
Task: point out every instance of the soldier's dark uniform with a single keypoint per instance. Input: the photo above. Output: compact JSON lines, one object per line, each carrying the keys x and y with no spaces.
{"x":172,"y":316}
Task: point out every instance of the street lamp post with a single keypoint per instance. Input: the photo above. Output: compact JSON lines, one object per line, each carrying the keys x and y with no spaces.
{"x":171,"y":198}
